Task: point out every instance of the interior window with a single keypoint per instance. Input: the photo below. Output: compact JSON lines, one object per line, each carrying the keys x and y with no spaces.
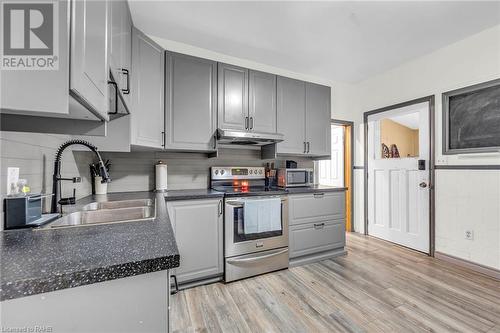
{"x":399,"y":136}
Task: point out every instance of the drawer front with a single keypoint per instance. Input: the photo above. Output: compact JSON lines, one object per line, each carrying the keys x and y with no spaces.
{"x":316,"y":207}
{"x":316,"y":237}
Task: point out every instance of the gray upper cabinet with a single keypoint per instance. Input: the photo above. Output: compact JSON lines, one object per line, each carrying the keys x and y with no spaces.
{"x":78,"y":88}
{"x":291,"y":101}
{"x":198,"y":227}
{"x":120,"y":45}
{"x":318,"y":114}
{"x":262,"y":102}
{"x":89,"y":65}
{"x":127,"y":52}
{"x":27,"y":91}
{"x":191,"y":95}
{"x":304,"y":118}
{"x":233,"y":97}
{"x":147,"y":92}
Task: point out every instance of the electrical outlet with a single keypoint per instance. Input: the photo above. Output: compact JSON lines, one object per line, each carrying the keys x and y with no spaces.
{"x":469,"y":234}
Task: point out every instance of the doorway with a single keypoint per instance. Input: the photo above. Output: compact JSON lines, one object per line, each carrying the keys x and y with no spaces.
{"x":337,"y":171}
{"x":399,"y":174}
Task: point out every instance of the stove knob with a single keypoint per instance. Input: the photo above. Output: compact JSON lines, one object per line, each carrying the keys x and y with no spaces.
{"x":260,"y":171}
{"x":216,"y":172}
{"x":222,"y":172}
{"x":251,"y":171}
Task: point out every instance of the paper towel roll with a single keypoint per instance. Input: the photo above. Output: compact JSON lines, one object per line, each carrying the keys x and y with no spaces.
{"x":161,"y":176}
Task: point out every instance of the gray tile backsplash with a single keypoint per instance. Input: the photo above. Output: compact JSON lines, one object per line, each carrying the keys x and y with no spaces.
{"x":34,"y":154}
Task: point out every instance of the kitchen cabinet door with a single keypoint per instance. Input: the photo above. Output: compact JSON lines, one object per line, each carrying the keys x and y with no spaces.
{"x":27,"y":90}
{"x":198,"y":232}
{"x":291,"y":105}
{"x":115,"y":17}
{"x":120,"y":46}
{"x":147,"y":91}
{"x":262,"y":102}
{"x":126,"y":43}
{"x":89,"y":58}
{"x":318,"y":116}
{"x":191,"y":95}
{"x":233,"y":97}
{"x":312,"y":238}
{"x":311,"y":207}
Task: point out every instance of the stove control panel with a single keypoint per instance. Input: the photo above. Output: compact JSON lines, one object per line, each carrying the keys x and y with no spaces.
{"x":218,"y":173}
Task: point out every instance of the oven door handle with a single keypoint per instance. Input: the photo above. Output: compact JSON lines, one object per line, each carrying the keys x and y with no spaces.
{"x":240,"y":204}
{"x":254,"y":259}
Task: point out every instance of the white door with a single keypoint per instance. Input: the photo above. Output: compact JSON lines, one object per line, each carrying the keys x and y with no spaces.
{"x":398,"y":192}
{"x":331,"y":172}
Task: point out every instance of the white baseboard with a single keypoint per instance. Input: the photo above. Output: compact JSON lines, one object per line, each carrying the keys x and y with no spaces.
{"x":492,"y":272}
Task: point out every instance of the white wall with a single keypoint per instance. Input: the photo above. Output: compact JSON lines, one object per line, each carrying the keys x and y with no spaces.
{"x":464,"y":199}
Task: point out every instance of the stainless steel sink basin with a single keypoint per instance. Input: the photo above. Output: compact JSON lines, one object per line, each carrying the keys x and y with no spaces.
{"x":103,"y":216}
{"x":118,"y":204}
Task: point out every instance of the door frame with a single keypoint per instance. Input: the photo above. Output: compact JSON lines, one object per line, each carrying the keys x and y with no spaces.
{"x":431,"y":100}
{"x":350,"y":124}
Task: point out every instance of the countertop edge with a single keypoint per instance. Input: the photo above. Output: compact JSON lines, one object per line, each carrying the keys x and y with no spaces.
{"x":57,"y":282}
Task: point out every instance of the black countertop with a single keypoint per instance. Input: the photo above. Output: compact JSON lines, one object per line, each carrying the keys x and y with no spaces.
{"x":192,"y":194}
{"x":38,"y":261}
{"x":315,"y":189}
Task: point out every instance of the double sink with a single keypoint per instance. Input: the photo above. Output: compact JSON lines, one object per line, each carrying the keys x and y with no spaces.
{"x":107,"y":212}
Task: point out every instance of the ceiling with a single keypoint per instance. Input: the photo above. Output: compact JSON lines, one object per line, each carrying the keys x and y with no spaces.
{"x":339,"y":41}
{"x":410,"y":120}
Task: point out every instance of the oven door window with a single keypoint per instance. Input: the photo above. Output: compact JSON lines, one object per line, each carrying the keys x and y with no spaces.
{"x":239,"y":228}
{"x":296,"y":177}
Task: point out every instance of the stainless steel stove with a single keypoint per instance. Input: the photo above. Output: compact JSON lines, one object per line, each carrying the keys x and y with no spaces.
{"x":255,"y":222}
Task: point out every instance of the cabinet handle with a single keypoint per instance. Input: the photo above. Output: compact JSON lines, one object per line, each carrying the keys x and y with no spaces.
{"x":246,"y":122}
{"x":215,"y":141}
{"x":163,"y":139}
{"x":308,"y":147}
{"x":319,"y":225}
{"x":176,"y":285}
{"x":113,"y":83}
{"x":251,"y":123}
{"x":220,"y":207}
{"x":127,"y":90}
{"x":319,"y":195}
{"x":305,"y":147}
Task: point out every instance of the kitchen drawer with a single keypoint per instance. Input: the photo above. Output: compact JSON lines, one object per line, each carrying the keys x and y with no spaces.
{"x":316,"y":237}
{"x":312,"y":207}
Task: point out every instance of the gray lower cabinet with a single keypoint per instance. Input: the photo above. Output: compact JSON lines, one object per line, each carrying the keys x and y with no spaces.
{"x":262,"y":102}
{"x":198,"y":227}
{"x":147,"y":92}
{"x":233,"y":97}
{"x":291,"y":99}
{"x":317,"y":237}
{"x":311,"y":207}
{"x":89,"y":57}
{"x":318,"y":115}
{"x":191,"y":107}
{"x":317,"y":226}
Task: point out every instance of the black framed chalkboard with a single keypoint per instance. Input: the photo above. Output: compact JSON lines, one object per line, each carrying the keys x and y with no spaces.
{"x":471,"y":122}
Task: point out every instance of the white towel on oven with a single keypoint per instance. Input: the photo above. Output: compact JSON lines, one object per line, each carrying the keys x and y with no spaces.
{"x":262,"y":215}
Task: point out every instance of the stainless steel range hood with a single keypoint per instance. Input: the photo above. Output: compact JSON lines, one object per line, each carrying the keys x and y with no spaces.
{"x":237,"y":137}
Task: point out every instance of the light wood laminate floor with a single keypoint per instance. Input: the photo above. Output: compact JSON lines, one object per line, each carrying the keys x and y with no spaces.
{"x":377,"y":287}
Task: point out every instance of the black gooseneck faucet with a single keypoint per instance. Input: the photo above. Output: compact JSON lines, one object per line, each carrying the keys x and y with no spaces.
{"x":56,"y":177}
